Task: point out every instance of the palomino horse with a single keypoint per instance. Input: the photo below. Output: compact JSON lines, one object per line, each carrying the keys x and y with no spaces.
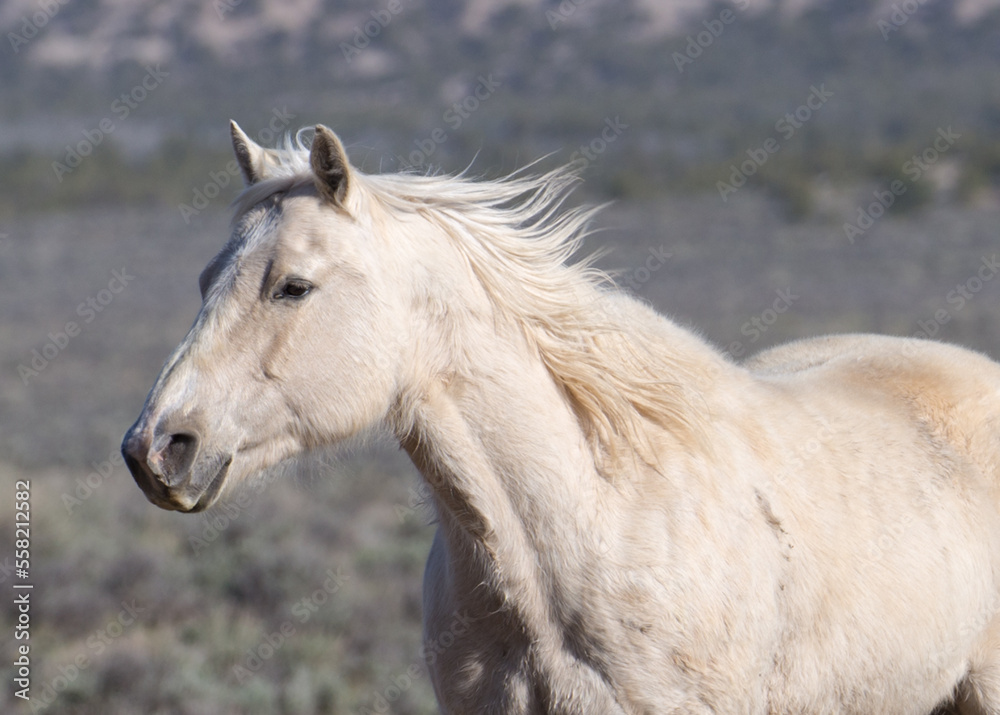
{"x":629,"y":521}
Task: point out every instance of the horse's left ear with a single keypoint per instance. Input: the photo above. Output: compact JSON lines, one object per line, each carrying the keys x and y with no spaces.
{"x":329,"y":163}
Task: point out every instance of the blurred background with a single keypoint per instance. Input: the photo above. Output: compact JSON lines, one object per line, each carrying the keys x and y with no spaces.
{"x":775,"y":170}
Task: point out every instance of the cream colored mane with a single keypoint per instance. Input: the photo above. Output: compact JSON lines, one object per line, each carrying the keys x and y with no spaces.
{"x":518,"y":240}
{"x":814,"y":531}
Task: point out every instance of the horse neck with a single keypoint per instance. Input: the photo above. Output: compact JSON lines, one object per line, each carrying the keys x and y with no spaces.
{"x":512,"y":475}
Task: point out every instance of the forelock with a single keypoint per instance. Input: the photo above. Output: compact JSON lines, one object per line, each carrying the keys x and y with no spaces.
{"x":287,"y":169}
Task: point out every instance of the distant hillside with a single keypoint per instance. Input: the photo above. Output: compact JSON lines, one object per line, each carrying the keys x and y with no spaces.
{"x":831,"y":91}
{"x":99,"y":35}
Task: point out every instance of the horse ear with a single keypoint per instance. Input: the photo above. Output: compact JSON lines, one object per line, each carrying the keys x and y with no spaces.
{"x":254,"y":160}
{"x":329,"y":163}
{"x":251,"y":157}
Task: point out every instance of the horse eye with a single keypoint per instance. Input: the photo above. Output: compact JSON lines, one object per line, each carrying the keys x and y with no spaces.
{"x":293,"y":289}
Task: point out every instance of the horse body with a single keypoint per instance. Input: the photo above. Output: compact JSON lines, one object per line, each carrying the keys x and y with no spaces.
{"x":828,"y":555}
{"x":629,"y":522}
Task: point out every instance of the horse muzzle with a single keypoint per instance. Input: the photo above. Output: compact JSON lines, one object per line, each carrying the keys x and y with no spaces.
{"x":172,"y":469}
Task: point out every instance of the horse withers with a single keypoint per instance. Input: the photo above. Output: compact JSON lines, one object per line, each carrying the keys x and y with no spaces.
{"x":629,"y":522}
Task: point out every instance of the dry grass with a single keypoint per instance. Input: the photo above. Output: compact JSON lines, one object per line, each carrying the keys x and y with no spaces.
{"x":199,"y":612}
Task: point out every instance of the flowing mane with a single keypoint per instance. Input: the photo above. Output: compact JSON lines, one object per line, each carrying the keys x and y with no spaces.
{"x":518,"y":239}
{"x":627,"y":521}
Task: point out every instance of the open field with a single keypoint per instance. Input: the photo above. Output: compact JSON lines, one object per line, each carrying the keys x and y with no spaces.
{"x":312,"y":584}
{"x":304,"y":595}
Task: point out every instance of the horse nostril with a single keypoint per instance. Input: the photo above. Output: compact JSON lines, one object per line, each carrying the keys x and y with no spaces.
{"x":176,"y":454}
{"x":135,"y":451}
